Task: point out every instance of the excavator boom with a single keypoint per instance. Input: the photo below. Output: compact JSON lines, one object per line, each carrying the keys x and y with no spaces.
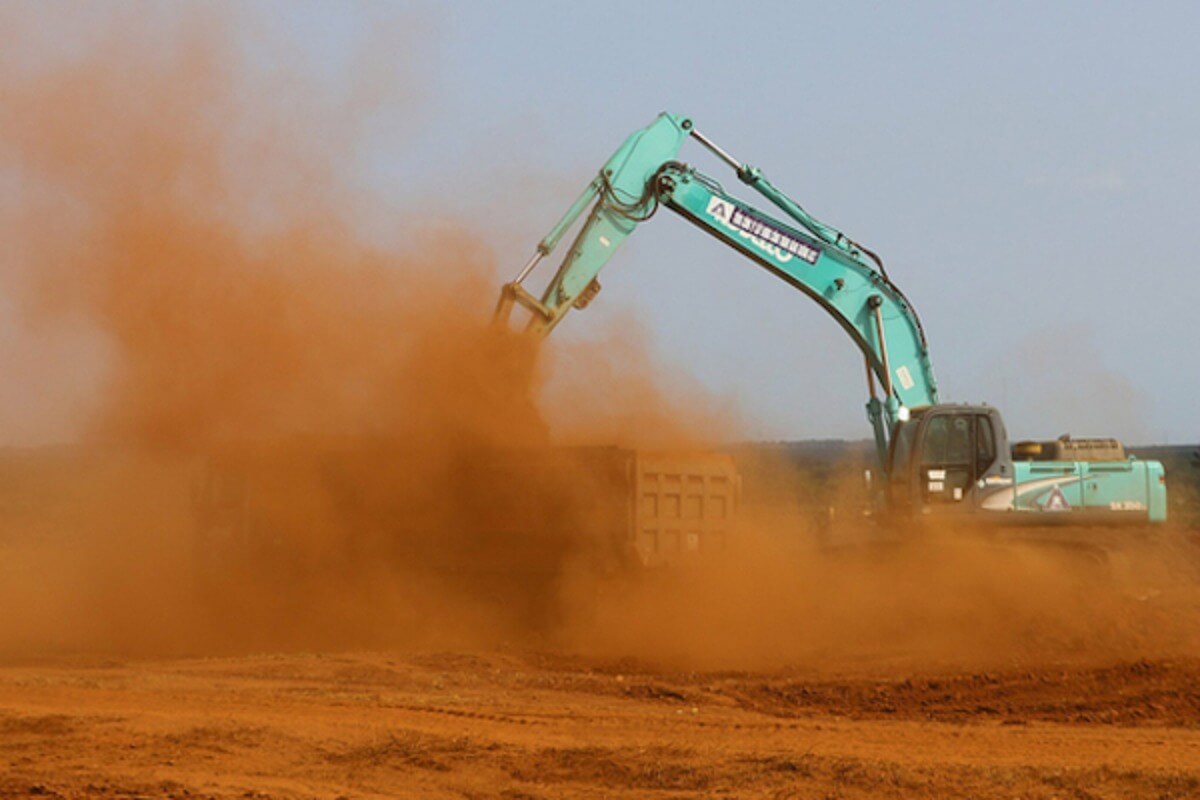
{"x":644,"y":175}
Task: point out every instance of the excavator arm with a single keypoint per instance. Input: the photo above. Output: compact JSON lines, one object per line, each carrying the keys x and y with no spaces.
{"x":841,"y":276}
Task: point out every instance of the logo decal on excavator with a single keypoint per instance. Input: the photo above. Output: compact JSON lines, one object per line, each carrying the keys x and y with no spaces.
{"x":774,"y":240}
{"x":1057,"y":501}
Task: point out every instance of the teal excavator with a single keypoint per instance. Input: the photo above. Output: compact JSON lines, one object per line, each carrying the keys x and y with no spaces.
{"x":934,"y":458}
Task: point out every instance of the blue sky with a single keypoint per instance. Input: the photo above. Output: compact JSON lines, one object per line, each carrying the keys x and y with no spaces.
{"x":1029,"y":172}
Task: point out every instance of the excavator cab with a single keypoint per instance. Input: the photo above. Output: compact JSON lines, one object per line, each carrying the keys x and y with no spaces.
{"x":946,"y":458}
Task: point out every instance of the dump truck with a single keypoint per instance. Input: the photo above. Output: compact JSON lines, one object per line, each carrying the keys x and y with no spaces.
{"x":503,"y":524}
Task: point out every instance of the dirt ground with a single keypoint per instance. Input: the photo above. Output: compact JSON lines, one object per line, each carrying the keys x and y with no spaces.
{"x":974,"y":675}
{"x":535,"y":725}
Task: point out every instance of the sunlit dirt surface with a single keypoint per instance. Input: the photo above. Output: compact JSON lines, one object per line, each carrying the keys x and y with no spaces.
{"x":923,"y":671}
{"x":532,"y":725}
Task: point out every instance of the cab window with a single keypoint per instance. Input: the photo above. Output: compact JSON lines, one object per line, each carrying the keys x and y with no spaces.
{"x":948,"y":441}
{"x":985,"y":446}
{"x":948,"y":458}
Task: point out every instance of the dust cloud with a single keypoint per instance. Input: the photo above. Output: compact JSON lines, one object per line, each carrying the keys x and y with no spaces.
{"x":952,"y":600}
{"x":290,"y":435}
{"x":264,"y":375}
{"x":842,"y":593}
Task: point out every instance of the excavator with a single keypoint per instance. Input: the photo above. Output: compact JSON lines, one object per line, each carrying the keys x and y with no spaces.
{"x":935,"y":459}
